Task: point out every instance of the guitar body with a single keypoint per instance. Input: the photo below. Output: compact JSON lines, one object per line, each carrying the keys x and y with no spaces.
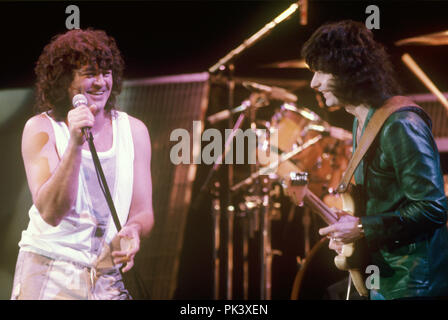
{"x":353,"y":256}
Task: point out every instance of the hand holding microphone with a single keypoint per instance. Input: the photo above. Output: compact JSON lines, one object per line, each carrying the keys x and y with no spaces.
{"x":80,"y":119}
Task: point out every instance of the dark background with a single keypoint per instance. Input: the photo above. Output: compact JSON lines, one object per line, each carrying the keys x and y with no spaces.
{"x":175,"y":37}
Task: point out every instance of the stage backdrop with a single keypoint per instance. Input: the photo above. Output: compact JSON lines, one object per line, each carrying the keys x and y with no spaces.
{"x":165,"y":104}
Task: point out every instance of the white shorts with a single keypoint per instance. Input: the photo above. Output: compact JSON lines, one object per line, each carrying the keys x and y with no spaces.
{"x":40,"y":278}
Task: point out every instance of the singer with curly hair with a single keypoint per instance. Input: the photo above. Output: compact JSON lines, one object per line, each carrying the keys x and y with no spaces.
{"x":71,"y":247}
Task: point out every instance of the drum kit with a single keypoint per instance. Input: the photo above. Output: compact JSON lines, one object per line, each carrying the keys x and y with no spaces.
{"x":298,"y":140}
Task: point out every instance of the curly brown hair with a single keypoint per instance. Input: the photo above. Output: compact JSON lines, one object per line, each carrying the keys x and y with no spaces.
{"x":360,"y":65}
{"x":66,"y":53}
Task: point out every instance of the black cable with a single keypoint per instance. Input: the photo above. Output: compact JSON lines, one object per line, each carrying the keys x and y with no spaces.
{"x":141,"y":290}
{"x":103,"y":183}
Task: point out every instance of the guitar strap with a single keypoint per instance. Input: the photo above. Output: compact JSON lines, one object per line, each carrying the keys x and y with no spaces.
{"x":373,"y":127}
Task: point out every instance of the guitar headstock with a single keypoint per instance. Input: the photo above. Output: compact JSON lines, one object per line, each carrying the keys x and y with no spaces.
{"x":296,"y":186}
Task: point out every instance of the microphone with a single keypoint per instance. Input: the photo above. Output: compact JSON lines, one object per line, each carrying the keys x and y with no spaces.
{"x":303,"y":12}
{"x":77,"y":101}
{"x":274,"y":92}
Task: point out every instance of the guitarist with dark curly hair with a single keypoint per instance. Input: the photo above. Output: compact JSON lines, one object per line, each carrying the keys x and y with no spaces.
{"x":405,"y":208}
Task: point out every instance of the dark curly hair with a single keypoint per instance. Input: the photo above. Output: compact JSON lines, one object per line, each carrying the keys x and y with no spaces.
{"x":360,"y":65}
{"x":66,"y":53}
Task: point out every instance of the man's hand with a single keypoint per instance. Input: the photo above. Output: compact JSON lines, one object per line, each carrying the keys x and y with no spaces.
{"x":344,"y":231}
{"x":79,"y":118}
{"x":130,"y":245}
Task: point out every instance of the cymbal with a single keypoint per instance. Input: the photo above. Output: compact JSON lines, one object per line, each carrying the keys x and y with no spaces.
{"x":289,"y":64}
{"x":432,"y":39}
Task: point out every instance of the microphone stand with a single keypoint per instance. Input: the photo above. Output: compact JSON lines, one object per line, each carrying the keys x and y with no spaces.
{"x":132,"y":274}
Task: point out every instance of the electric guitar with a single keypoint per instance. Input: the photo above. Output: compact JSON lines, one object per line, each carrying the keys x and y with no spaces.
{"x":351,"y":258}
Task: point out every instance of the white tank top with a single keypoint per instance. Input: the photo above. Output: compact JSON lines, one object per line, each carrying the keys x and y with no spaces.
{"x":81,"y":233}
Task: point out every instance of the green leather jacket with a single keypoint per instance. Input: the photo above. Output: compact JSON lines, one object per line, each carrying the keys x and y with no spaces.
{"x":405,"y":207}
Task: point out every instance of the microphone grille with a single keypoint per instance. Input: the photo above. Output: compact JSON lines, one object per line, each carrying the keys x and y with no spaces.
{"x":78,"y":100}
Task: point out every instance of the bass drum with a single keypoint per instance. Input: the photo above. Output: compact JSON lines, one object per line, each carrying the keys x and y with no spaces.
{"x":317,"y":274}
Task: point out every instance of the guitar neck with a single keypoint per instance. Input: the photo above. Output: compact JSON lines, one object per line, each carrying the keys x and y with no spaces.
{"x":320,"y":207}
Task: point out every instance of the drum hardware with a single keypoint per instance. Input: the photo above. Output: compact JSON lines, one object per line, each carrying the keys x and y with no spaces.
{"x":217,"y":215}
{"x":256,"y":203}
{"x":259,"y":211}
{"x":290,"y":84}
{"x":262,"y":206}
{"x":288,"y":64}
{"x":304,"y":112}
{"x":216,"y":220}
{"x":274,"y":93}
{"x":251,"y":206}
{"x":245,"y":218}
{"x":306,"y":221}
{"x":268,"y":169}
{"x":256,"y":100}
{"x":432,"y":39}
{"x":300,"y":261}
{"x":267,"y":211}
{"x":230,"y":232}
{"x":275,"y":195}
{"x":248,"y":107}
{"x":412,"y":65}
{"x":265,"y":250}
{"x":226,"y":64}
{"x":221,"y":64}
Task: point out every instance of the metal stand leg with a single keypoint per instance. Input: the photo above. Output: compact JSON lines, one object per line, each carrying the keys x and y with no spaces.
{"x":229,"y":273}
{"x":216,"y":212}
{"x":306,"y":220}
{"x":245,"y":244}
{"x":265,"y":250}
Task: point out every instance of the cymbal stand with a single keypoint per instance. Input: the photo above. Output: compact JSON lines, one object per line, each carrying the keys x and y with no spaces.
{"x":216,"y":212}
{"x":255,"y":37}
{"x":306,"y":221}
{"x":265,"y":250}
{"x":216,"y":221}
{"x":230,"y":212}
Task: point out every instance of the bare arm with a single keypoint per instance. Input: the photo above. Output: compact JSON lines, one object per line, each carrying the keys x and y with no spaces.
{"x":141,"y":216}
{"x":141,"y":211}
{"x":53,"y":181}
